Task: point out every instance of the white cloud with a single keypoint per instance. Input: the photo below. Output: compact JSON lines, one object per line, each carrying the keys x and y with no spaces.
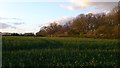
{"x":64,"y":20}
{"x":56,"y":0}
{"x":103,"y":0}
{"x":70,"y":7}
{"x":82,"y":4}
{"x":18,"y":23}
{"x":103,"y":6}
{"x":1,"y":18}
{"x":76,"y":4}
{"x":61,"y":21}
{"x":33,"y":0}
{"x":5,"y":26}
{"x":15,"y":21}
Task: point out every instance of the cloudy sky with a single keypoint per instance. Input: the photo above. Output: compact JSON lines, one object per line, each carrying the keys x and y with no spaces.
{"x":29,"y":15}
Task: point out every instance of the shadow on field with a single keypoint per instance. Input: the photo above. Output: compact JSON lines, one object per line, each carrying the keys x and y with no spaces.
{"x":42,"y":43}
{"x":48,"y":43}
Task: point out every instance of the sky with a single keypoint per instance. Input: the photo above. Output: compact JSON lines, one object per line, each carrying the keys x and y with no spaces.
{"x":21,"y":16}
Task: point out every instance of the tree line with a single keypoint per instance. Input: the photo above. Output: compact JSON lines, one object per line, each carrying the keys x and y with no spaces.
{"x":100,"y":25}
{"x":16,"y":34}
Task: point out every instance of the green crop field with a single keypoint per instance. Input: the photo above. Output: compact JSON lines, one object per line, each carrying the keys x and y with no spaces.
{"x":46,"y":51}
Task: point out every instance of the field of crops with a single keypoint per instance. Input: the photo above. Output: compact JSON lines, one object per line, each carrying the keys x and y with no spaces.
{"x":44,"y":51}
